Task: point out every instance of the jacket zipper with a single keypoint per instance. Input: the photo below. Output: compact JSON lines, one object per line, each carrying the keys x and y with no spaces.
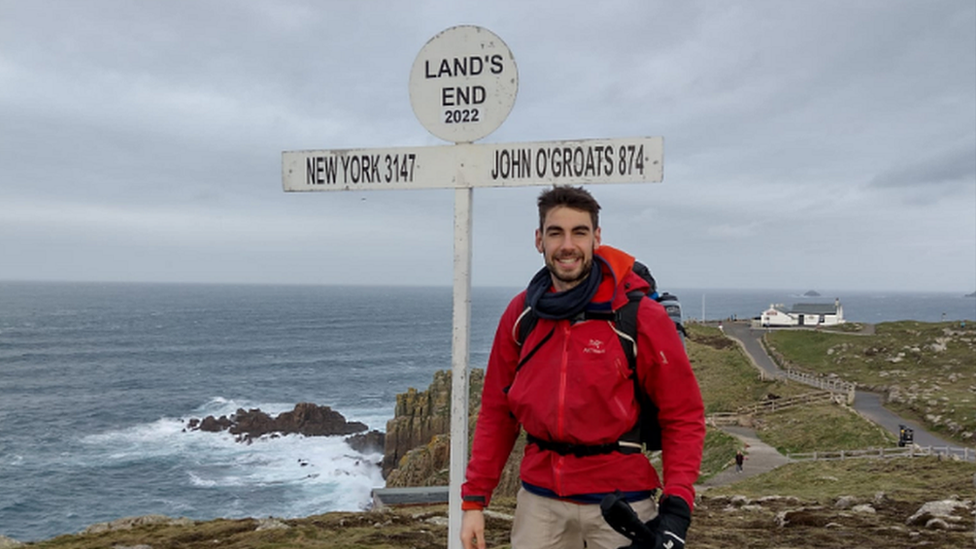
{"x":561,"y":418}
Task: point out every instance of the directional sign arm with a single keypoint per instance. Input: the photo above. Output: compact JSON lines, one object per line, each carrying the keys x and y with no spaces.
{"x":571,"y":162}
{"x":369,"y":169}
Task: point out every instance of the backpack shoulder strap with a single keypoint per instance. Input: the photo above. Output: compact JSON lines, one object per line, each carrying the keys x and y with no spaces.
{"x":524,"y":325}
{"x":625,"y":324}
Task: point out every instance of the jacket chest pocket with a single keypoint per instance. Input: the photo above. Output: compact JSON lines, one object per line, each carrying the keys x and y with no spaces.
{"x":597,"y":366}
{"x":579,"y":366}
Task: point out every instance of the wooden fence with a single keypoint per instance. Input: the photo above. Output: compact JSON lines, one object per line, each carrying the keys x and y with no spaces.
{"x":820,"y":382}
{"x":951,"y":452}
{"x":774,"y":405}
{"x":827,"y":384}
{"x":722,"y":418}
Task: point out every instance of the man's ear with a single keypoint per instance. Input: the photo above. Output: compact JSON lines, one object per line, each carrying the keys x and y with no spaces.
{"x":538,"y":241}
{"x":596,"y":236}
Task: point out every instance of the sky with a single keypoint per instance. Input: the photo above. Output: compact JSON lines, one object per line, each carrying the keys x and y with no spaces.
{"x":826,"y":145}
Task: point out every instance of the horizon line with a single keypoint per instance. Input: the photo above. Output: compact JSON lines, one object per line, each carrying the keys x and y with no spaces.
{"x":800,"y":293}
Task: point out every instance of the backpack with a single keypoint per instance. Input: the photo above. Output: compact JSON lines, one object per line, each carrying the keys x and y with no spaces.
{"x":647,"y":431}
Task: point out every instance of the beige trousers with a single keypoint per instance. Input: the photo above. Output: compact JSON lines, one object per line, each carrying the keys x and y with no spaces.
{"x":546,"y":523}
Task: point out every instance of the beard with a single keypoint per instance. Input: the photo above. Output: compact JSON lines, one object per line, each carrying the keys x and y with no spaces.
{"x":571,"y":278}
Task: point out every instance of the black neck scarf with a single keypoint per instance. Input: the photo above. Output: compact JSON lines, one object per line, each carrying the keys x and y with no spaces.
{"x":562,"y":305}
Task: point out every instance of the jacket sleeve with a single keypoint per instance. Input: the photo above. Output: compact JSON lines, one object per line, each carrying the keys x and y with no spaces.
{"x":666,"y":375}
{"x":496,"y":429}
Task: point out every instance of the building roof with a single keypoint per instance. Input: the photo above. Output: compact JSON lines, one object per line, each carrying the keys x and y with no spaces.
{"x":814,"y":308}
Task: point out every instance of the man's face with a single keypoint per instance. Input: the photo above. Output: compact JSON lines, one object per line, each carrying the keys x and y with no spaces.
{"x":567,"y":241}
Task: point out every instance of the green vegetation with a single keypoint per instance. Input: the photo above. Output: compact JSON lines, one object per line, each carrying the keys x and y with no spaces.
{"x":727,"y":378}
{"x":719,"y":453}
{"x":926,"y":370}
{"x":907,"y":481}
{"x":918,"y":478}
{"x":824,"y":426}
{"x":333,"y":530}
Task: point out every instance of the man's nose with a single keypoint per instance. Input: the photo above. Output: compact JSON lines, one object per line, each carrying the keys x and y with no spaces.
{"x":566,"y":243}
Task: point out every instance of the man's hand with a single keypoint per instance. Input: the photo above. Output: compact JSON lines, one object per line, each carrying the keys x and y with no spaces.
{"x":670,"y":526}
{"x":473,"y":529}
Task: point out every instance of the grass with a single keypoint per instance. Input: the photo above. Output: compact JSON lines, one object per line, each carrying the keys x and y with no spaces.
{"x":926,"y":370}
{"x":821,"y":427}
{"x":911,"y":480}
{"x":727,"y":378}
{"x":921,"y":478}
{"x":392,"y":530}
{"x":719,"y":453}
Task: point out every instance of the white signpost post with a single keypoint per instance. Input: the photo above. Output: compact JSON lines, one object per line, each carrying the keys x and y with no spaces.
{"x":462,"y":87}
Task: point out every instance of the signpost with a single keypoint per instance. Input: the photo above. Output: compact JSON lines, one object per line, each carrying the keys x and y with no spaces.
{"x":462,"y":87}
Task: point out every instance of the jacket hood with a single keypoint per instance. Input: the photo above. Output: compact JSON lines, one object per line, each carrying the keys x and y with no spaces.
{"x":618,"y":276}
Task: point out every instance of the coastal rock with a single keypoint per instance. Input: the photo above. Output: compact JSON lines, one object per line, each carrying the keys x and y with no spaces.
{"x":424,"y":466}
{"x":271,"y":523}
{"x":418,"y":417}
{"x":306,"y":419}
{"x":10,"y":543}
{"x":129,"y":523}
{"x":417,"y":450}
{"x":367,"y":443}
{"x":845,"y":502}
{"x":944,"y":511}
{"x":804,"y":516}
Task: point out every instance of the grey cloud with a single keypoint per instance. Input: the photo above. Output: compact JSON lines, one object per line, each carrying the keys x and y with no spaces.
{"x":794,"y":134}
{"x":947,"y":172}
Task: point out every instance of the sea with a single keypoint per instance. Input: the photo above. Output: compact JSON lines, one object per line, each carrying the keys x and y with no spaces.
{"x":98,"y":380}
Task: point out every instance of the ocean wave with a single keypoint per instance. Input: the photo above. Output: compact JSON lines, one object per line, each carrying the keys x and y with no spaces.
{"x":197,"y":481}
{"x":321,"y":473}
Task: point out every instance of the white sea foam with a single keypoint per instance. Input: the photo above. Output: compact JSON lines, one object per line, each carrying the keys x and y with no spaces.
{"x":197,"y":481}
{"x":307,"y":475}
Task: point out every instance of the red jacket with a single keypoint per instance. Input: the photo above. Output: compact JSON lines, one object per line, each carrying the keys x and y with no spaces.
{"x":577,"y":389}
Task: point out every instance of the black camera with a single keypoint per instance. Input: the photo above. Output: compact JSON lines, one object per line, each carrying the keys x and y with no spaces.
{"x":622,"y":518}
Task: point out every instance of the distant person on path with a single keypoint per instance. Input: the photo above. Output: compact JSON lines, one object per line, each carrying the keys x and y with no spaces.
{"x":739,"y":459}
{"x":569,"y":386}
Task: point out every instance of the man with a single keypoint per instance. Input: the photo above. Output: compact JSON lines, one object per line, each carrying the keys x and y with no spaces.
{"x":569,"y":386}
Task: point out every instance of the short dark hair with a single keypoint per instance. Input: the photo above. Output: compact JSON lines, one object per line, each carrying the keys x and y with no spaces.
{"x":576,"y":198}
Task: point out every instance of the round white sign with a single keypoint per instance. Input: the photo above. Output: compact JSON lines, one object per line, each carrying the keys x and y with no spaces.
{"x":463,"y":84}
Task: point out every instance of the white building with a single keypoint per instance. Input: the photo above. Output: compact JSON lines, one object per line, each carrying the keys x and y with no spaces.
{"x":803,"y":314}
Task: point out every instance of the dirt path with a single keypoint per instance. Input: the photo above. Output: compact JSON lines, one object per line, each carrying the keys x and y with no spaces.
{"x":760,"y":458}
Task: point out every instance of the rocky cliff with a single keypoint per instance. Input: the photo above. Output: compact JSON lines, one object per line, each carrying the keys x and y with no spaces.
{"x":418,"y":442}
{"x":417,"y":418}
